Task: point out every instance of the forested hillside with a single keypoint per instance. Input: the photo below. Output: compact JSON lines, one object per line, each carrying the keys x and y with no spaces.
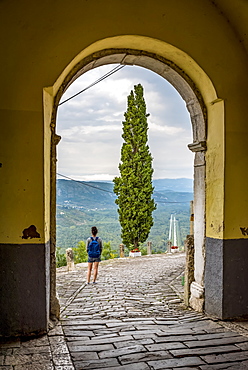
{"x":81,"y":205}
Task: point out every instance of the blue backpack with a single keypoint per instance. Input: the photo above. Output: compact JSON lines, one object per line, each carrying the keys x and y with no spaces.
{"x":94,"y":250}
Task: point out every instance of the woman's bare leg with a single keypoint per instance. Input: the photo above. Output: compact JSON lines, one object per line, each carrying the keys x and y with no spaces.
{"x":89,"y":271}
{"x":95,"y":271}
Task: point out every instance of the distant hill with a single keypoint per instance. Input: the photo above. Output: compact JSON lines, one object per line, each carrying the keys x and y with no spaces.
{"x":83,"y":204}
{"x":85,"y":195}
{"x":181,"y":184}
{"x":99,"y":195}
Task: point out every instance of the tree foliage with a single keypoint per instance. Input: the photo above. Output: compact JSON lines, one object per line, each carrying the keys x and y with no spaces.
{"x":80,"y":252}
{"x":108,"y":252}
{"x":134,"y":186}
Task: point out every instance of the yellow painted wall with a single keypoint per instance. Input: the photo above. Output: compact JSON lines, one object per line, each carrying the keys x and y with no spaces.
{"x":21,"y":175}
{"x":39,"y":39}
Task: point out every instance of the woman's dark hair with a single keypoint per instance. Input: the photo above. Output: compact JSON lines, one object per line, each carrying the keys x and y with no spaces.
{"x":94,"y":230}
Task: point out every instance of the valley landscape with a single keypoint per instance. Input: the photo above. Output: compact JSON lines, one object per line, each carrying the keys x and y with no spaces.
{"x":81,"y":205}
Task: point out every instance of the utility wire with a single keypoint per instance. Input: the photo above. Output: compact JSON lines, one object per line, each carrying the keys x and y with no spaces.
{"x":115,"y":69}
{"x":107,"y":191}
{"x":84,"y":183}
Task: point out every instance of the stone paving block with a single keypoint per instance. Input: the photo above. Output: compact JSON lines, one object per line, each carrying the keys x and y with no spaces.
{"x":175,"y":363}
{"x":129,"y":323}
{"x":84,"y":356}
{"x":164,"y":346}
{"x":141,"y":332}
{"x":108,"y":331}
{"x":32,"y":350}
{"x":66,"y":322}
{"x":165,"y":322}
{"x":122,"y":351}
{"x":84,"y":327}
{"x":150,"y":327}
{"x":6,"y":351}
{"x":36,"y":366}
{"x":64,"y":367}
{"x":76,"y":317}
{"x":143,"y":336}
{"x":133,"y":342}
{"x":222,"y":334}
{"x":207,"y":326}
{"x":243,"y":365}
{"x":81,"y":333}
{"x":173,"y":338}
{"x":226,"y":357}
{"x":95,"y":340}
{"x":135,"y":319}
{"x":168,"y":318}
{"x":215,"y":342}
{"x":89,"y":348}
{"x":134,"y":366}
{"x":106,"y":335}
{"x":243,"y":346}
{"x":96,"y":364}
{"x":144,"y":356}
{"x":26,"y":359}
{"x":186,"y":368}
{"x":78,"y":338}
{"x":204,"y":350}
{"x":176,"y":331}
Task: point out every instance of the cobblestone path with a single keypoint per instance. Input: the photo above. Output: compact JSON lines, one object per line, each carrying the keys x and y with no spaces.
{"x":132,"y":319}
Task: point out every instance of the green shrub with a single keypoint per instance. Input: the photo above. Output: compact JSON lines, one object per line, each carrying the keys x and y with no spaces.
{"x":60,"y":257}
{"x":80,"y":252}
{"x":108,"y":252}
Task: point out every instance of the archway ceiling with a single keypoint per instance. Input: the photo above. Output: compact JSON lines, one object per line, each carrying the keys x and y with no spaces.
{"x":236,"y":14}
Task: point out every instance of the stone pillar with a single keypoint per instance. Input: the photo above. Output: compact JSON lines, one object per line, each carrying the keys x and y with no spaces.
{"x":149,"y":248}
{"x":191,"y":232}
{"x":169,"y":247}
{"x":121,"y":246}
{"x":54,"y":300}
{"x":70,"y":259}
{"x":197,"y":286}
{"x":189,"y":268}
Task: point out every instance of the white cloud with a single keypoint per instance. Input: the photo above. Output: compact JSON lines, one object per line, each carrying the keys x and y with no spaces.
{"x":168,"y":130}
{"x":91,"y":125}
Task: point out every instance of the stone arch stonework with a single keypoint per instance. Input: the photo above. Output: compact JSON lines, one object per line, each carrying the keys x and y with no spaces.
{"x":194,"y":100}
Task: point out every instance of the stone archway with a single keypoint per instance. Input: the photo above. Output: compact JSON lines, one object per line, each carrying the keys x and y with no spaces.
{"x":194,"y":99}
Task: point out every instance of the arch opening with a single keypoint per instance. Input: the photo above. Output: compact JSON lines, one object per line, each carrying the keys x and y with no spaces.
{"x":198,"y":114}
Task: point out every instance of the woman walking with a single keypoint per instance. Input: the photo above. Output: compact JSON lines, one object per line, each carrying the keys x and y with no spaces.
{"x":94,"y":250}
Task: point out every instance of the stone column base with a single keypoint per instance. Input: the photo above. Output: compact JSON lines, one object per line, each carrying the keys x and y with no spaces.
{"x":197,"y":297}
{"x":55,"y":308}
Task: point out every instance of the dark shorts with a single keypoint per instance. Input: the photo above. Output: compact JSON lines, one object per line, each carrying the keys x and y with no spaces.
{"x":91,"y":259}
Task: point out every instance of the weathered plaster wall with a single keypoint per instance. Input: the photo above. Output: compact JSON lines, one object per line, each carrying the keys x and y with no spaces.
{"x":41,"y":42}
{"x":41,"y":39}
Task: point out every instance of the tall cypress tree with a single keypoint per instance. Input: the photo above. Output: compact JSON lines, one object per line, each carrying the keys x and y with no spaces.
{"x":134,"y":186}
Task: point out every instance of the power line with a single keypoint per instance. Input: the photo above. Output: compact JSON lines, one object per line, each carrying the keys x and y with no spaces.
{"x":84,"y":183}
{"x":115,"y":69}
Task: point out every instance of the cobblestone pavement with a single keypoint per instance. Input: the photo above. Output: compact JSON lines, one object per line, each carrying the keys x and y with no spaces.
{"x":132,"y":319}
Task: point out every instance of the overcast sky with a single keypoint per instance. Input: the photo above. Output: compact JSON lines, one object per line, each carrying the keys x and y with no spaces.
{"x":91,"y":125}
